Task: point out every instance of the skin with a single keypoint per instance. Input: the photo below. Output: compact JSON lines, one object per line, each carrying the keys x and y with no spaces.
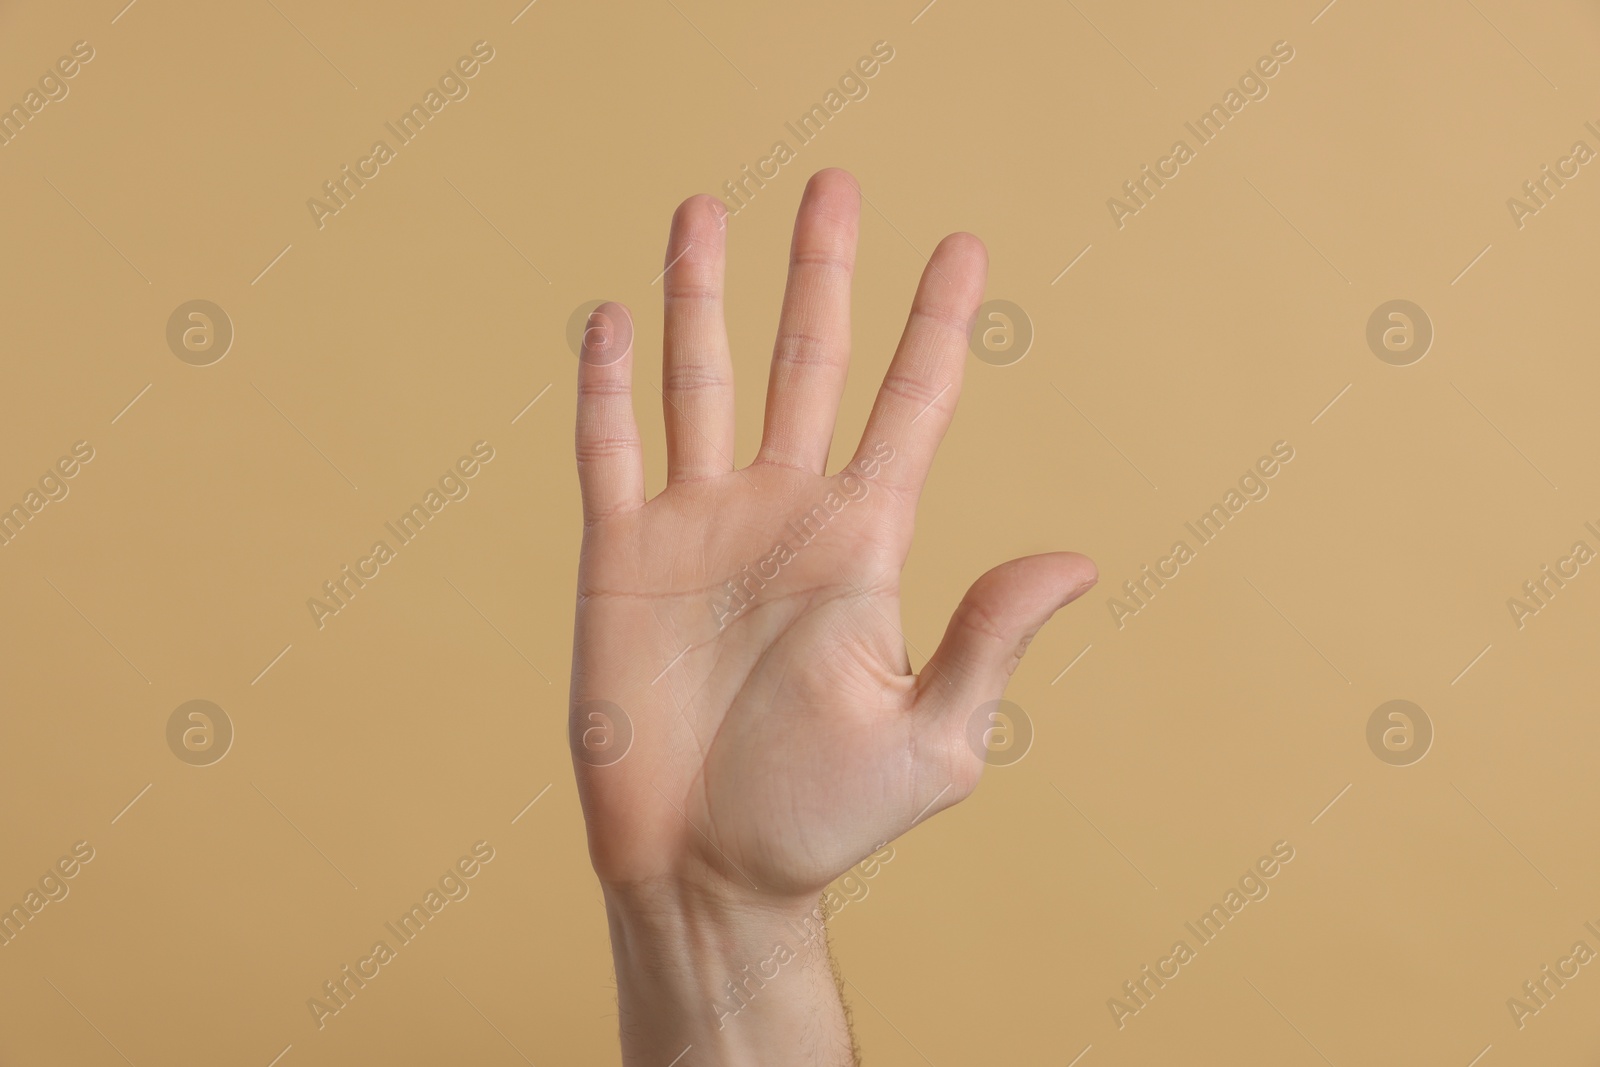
{"x":777,"y":739}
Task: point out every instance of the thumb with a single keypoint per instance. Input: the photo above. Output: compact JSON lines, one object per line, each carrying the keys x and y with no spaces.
{"x":993,"y":625}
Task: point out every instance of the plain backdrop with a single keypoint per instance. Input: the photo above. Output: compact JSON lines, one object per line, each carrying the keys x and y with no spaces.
{"x":1170,"y":752}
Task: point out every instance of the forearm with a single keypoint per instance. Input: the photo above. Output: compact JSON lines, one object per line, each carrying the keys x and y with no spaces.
{"x":734,"y":984}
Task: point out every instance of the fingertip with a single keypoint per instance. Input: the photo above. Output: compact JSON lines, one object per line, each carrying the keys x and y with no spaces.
{"x":1081,"y":572}
{"x":966,"y":249}
{"x":834,"y":178}
{"x":700,"y":216}
{"x":608,"y":334}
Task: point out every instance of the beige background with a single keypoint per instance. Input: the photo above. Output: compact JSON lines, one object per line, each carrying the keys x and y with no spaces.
{"x":430,"y":312}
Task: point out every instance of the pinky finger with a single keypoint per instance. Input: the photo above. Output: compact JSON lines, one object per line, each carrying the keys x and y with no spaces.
{"x":610,"y":464}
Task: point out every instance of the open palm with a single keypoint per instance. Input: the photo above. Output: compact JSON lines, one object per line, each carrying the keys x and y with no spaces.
{"x":744,"y":716}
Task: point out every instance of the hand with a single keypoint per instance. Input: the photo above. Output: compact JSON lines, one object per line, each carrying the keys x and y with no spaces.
{"x":747,"y":624}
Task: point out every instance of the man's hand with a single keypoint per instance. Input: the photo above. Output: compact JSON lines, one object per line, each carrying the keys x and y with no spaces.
{"x":745,"y":723}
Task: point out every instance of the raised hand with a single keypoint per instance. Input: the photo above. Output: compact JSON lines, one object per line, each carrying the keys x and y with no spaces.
{"x":746,"y":725}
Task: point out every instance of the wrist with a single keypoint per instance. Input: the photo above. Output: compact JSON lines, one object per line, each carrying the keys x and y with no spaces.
{"x":741,"y":980}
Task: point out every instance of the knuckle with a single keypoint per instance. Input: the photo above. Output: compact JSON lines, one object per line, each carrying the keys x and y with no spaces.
{"x":910,"y":388}
{"x":590,"y":449}
{"x":823,"y":261}
{"x":798,"y":348}
{"x":941,"y":317}
{"x":692,"y":378}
